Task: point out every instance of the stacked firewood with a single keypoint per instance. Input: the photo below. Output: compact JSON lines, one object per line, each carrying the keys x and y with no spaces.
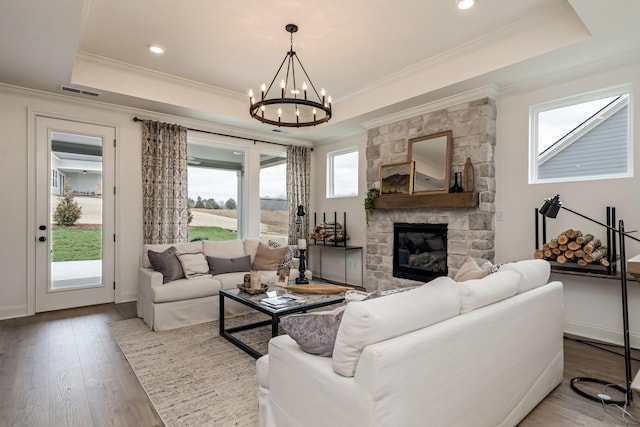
{"x":329,"y":232}
{"x":573,"y":246}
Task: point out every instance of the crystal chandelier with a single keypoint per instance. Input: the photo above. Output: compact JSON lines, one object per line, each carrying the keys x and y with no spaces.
{"x":293,"y":105}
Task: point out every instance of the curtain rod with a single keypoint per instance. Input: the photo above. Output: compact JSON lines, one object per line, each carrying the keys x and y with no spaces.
{"x":135,"y":119}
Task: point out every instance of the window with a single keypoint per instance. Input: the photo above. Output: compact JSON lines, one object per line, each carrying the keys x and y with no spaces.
{"x":342,"y":173}
{"x":215,"y":176}
{"x":581,"y":138}
{"x":274,"y":214}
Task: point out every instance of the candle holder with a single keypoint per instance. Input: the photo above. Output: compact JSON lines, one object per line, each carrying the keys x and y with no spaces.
{"x":301,"y":279}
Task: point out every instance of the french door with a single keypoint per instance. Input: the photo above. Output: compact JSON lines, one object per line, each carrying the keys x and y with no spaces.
{"x":74,"y":229}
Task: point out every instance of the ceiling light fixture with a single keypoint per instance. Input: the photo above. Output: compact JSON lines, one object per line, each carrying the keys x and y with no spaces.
{"x":465,"y":4}
{"x":156,"y":49}
{"x":293,"y":105}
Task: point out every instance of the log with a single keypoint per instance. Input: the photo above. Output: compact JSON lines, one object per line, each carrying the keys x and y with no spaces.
{"x":538,"y":255}
{"x":561,"y":259}
{"x":601,"y":252}
{"x":573,"y":234}
{"x":574,"y":246}
{"x":553,"y":243}
{"x":548,"y":254}
{"x":584,"y":239}
{"x":582,"y":262}
{"x":604,"y":262}
{"x":563,"y":248}
{"x":579,"y":253}
{"x":545,"y":246}
{"x":556,"y":251}
{"x":592,"y":245}
{"x":562,"y":239}
{"x":569,"y":254}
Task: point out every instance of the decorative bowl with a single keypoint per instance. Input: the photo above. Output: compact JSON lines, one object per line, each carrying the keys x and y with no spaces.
{"x":247,"y":288}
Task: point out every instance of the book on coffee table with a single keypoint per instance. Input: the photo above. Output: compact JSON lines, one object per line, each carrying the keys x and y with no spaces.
{"x":281,"y":301}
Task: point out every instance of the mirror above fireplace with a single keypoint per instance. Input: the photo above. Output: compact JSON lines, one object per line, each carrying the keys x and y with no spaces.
{"x":432,"y":157}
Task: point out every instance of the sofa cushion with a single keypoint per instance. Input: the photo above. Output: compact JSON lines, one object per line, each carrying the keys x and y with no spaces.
{"x":194,"y":265}
{"x":185,"y":289}
{"x":229,"y":265}
{"x":372,"y":321}
{"x":470,"y":270}
{"x":535,"y":273}
{"x":268,"y":258}
{"x":159,"y":247}
{"x":477,"y":293}
{"x":223,"y":248}
{"x":314,"y":332}
{"x":288,"y":256}
{"x":167,"y":263}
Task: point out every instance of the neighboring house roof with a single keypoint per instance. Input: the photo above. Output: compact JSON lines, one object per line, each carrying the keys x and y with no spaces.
{"x":598,"y":146}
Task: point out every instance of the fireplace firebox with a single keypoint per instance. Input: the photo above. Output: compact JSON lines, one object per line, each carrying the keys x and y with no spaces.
{"x":419,"y":251}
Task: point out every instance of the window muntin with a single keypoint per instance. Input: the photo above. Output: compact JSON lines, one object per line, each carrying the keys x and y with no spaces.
{"x":342,"y":173}
{"x":581,"y":138}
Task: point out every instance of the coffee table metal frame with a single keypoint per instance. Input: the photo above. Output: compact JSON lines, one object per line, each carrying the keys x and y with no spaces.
{"x":311,"y":301}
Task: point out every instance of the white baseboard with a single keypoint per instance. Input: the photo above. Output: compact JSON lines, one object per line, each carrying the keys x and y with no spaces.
{"x":10,"y":312}
{"x":612,"y":336}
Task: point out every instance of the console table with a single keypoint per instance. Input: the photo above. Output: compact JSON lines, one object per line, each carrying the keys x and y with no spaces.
{"x":346,"y":249}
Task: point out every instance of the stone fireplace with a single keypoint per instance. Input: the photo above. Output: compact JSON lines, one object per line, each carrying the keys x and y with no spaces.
{"x":470,"y":230}
{"x":419,"y":251}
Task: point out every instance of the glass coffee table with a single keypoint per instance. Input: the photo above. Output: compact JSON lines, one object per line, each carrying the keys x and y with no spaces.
{"x":311,"y":301}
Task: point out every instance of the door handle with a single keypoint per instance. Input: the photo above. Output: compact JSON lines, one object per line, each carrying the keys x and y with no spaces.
{"x":42,"y":239}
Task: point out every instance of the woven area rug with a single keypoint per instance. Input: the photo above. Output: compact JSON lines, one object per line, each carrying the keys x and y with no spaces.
{"x":192,"y":376}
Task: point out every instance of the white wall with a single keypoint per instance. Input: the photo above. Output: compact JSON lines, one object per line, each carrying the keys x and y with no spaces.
{"x":333,"y":260}
{"x":592,"y":305}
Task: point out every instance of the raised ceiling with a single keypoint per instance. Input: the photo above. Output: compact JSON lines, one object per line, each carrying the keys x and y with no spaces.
{"x":374,"y":57}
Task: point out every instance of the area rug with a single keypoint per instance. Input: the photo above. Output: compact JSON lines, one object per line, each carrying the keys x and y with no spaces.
{"x":192,"y":376}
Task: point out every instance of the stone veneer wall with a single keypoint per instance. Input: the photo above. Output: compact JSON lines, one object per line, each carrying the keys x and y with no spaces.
{"x":470,"y":230}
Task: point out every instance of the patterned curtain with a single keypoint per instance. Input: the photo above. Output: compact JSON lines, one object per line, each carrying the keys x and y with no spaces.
{"x":298,"y":177}
{"x":164,"y":182}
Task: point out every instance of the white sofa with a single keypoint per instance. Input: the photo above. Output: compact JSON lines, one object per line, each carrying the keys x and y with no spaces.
{"x":476,"y":353}
{"x":185,"y":302}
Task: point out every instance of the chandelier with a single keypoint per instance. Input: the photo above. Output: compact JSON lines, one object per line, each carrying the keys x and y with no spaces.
{"x":293,"y":105}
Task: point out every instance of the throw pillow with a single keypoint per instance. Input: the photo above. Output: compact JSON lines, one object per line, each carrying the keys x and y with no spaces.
{"x":314,"y":332}
{"x":194,"y":265}
{"x":378,"y":294}
{"x":268,"y":258}
{"x":288,"y":257}
{"x":470,"y":270}
{"x":228,"y":265}
{"x":167,"y":263}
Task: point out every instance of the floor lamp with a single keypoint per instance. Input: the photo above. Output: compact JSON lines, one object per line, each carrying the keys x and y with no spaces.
{"x":550,"y":209}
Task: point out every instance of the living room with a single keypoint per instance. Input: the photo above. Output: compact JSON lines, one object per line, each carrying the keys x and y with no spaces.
{"x":592,"y":304}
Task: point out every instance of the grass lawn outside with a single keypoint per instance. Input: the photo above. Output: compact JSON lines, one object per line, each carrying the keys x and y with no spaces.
{"x":85,"y":243}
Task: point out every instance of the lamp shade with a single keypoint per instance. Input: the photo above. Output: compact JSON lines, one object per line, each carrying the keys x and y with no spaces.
{"x":551,"y":206}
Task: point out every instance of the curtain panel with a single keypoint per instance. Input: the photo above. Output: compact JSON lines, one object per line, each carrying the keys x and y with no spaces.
{"x":298,"y":179}
{"x":164,"y":182}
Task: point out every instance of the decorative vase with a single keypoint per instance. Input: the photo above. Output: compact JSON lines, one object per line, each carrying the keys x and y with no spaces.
{"x":468,"y":175}
{"x":457,"y":188}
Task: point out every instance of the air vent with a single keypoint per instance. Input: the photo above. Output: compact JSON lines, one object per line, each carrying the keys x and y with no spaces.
{"x":79,"y":91}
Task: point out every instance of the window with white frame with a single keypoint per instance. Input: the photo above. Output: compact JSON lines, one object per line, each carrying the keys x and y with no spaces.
{"x":342,"y":173}
{"x":581,"y":138}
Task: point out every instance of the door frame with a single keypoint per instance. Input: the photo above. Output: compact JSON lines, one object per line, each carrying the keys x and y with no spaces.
{"x":32,"y":135}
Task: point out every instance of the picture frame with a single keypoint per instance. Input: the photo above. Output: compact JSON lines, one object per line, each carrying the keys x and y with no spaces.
{"x":282,"y":275}
{"x":396,"y":179}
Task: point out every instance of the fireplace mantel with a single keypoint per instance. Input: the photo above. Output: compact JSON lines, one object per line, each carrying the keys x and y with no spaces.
{"x":467,"y":199}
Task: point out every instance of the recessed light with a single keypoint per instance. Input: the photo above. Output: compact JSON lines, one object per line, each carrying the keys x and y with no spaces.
{"x":465,"y":4}
{"x":156,"y":49}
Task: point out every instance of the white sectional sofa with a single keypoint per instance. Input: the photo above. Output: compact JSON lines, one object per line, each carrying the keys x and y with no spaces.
{"x":478,"y":353}
{"x":185,"y":302}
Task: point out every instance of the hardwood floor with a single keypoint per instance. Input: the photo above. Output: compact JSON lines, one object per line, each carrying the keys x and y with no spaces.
{"x":63,"y":368}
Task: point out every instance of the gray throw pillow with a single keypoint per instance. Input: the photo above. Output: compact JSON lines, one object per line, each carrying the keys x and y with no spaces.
{"x":229,"y":265}
{"x":314,"y":332}
{"x":167,"y":263}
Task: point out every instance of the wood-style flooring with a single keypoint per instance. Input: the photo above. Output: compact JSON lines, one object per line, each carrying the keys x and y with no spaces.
{"x":64,"y":368}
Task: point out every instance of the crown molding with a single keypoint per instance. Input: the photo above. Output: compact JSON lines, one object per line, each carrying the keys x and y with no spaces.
{"x":489,"y":91}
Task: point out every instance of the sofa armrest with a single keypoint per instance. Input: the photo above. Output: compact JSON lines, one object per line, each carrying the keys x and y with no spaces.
{"x":148,"y":279}
{"x":298,"y":381}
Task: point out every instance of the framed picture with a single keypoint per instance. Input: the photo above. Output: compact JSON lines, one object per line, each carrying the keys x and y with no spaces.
{"x":282,"y":275}
{"x":396,"y":179}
